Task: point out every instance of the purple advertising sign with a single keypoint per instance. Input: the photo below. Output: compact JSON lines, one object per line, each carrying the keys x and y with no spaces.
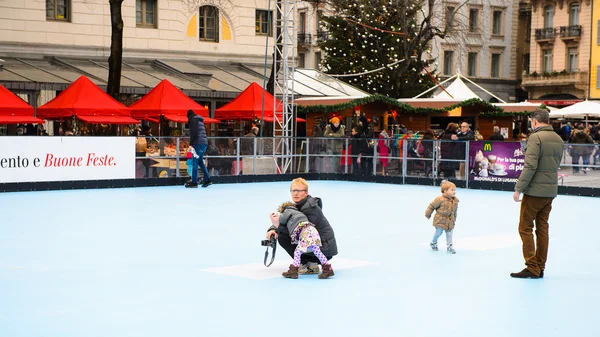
{"x":495,"y":161}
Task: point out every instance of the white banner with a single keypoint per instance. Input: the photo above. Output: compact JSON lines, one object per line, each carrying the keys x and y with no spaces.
{"x":26,"y":159}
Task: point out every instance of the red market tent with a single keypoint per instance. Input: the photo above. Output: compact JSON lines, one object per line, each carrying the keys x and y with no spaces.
{"x":14,"y":110}
{"x":86,"y":101}
{"x":280,"y":118}
{"x":168,"y":101}
{"x":248,"y":105}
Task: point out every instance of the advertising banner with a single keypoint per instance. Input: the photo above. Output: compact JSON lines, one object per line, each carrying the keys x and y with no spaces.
{"x":30,"y":159}
{"x":495,"y":161}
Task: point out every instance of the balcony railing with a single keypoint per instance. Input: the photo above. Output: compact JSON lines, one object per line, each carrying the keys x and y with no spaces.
{"x":555,"y":78}
{"x":545,"y":34}
{"x":322,"y":36}
{"x":304,"y":38}
{"x":570,"y":32}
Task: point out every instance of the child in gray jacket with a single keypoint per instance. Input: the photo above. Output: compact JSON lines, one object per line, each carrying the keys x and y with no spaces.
{"x":304,"y":234}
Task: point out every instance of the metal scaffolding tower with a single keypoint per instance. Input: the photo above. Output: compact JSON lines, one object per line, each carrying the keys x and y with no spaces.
{"x":285,"y":38}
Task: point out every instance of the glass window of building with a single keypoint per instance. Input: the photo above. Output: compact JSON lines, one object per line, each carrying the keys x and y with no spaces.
{"x":448,"y":62}
{"x":58,"y":10}
{"x":145,"y":13}
{"x":209,"y":23}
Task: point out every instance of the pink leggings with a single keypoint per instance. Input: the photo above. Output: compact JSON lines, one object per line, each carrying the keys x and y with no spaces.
{"x":316,"y":250}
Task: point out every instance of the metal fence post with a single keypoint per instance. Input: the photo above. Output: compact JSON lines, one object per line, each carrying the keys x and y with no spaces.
{"x":307,"y":155}
{"x":435,"y":161}
{"x":177,"y":173}
{"x":346,"y":166}
{"x":467,"y":143}
{"x":404,"y":149}
{"x":254,"y":155}
{"x":374,"y":157}
{"x":237,"y":157}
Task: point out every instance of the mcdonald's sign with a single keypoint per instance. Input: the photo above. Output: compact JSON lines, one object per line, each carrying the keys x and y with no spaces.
{"x":487,"y":146}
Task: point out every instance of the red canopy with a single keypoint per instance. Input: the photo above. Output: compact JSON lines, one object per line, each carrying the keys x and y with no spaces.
{"x":280,"y":118}
{"x":86,"y":101}
{"x":14,"y":110}
{"x":167,"y":100}
{"x":248,"y":104}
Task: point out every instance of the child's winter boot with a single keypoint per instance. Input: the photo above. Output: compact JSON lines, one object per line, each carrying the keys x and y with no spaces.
{"x":327,"y":271}
{"x":433,"y":246}
{"x":451,"y":250}
{"x":291,"y":273}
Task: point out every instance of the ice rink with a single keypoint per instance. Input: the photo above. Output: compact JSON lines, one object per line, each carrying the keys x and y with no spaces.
{"x":170,"y":261}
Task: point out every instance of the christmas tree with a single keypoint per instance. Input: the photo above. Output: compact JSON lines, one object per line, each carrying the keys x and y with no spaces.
{"x":370,"y":38}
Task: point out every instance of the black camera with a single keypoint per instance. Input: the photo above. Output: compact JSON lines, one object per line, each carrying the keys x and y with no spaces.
{"x":269,"y":243}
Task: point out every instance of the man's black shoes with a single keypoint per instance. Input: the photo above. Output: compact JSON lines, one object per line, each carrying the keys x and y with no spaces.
{"x":525,"y":274}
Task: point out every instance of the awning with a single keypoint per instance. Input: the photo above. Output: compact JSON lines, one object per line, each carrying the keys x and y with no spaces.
{"x":555,"y":101}
{"x":20,"y":120}
{"x":108,"y":120}
{"x":86,"y":101}
{"x":252,"y":102}
{"x":280,"y":118}
{"x":183,"y":119}
{"x":15,"y":110}
{"x":167,"y":100}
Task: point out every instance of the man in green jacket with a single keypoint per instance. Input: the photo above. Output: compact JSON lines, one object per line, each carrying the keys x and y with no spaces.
{"x":539,"y":184}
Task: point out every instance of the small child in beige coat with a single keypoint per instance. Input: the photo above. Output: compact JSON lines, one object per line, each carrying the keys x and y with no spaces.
{"x":445,"y":206}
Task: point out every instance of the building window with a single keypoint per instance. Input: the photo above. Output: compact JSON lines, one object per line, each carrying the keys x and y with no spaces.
{"x":547,"y":61}
{"x":573,"y":65}
{"x":549,"y":16}
{"x":448,"y":62}
{"x":58,"y":10}
{"x":574,"y":14}
{"x":497,"y":23}
{"x":145,"y":13}
{"x":449,"y":18}
{"x":319,"y":19}
{"x":472,"y":65}
{"x":302,"y":23}
{"x":317,"y":60}
{"x":209,"y":24}
{"x":263,"y":22}
{"x":526,"y":63}
{"x":301,"y":60}
{"x":495,"y":66}
{"x":473,"y":20}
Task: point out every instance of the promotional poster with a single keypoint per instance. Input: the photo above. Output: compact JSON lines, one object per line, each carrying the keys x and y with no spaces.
{"x":495,"y":161}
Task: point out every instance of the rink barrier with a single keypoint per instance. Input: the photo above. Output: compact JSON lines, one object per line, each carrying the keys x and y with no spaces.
{"x":259,"y":150}
{"x":153,"y":182}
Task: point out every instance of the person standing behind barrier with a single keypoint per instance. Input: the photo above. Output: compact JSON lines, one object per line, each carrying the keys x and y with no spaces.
{"x":199,"y":141}
{"x":465,"y":134}
{"x":497,"y":135}
{"x":247,"y":144}
{"x":538,"y":183}
{"x":383,"y":150}
{"x":581,"y":148}
{"x":449,"y":150}
{"x":334,"y":147}
{"x":359,"y":149}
